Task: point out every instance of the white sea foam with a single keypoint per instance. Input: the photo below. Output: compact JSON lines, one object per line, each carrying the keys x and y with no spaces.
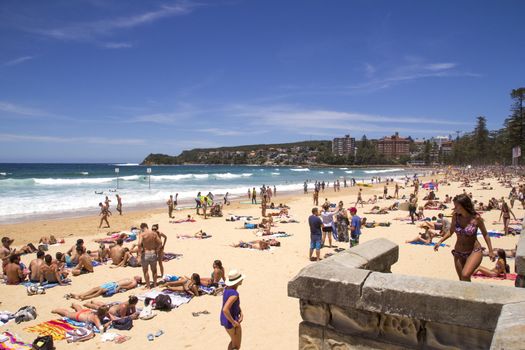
{"x":232,"y":176}
{"x":83,"y":173}
{"x":344,"y":168}
{"x":62,"y":182}
{"x":300,"y":169}
{"x":321,"y":172}
{"x":276,"y":174}
{"x":349,"y":172}
{"x":330,"y":172}
{"x":393,"y":170}
{"x":126,"y":164}
{"x":3,"y":174}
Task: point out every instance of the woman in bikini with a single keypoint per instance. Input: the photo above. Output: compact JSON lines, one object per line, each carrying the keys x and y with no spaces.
{"x":501,"y":268}
{"x":505,"y":213}
{"x":185,"y":284}
{"x":468,"y":251}
{"x":81,"y":314}
{"x":118,"y":309}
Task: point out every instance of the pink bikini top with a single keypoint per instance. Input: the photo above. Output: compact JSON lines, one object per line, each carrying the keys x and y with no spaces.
{"x":470,"y":230}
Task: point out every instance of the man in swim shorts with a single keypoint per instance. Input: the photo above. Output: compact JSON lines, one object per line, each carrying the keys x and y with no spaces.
{"x":316,"y":233}
{"x":108,"y":289}
{"x":149,"y":246}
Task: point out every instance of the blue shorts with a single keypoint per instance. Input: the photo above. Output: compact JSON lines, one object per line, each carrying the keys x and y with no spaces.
{"x":315,"y":244}
{"x":110,"y":287}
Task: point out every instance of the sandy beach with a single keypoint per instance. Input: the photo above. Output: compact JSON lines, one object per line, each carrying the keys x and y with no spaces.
{"x":271,"y":318}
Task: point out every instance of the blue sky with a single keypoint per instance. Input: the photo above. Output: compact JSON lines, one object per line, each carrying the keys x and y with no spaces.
{"x":112,"y":81}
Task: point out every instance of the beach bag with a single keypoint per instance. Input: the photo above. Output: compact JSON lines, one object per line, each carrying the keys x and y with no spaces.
{"x":79,"y":334}
{"x":26,"y":313}
{"x":124,"y":324}
{"x":163,"y":302}
{"x":44,"y":343}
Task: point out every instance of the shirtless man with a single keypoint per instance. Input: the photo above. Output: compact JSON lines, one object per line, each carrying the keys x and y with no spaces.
{"x":149,"y":245}
{"x":72,"y":252}
{"x":85,"y":263}
{"x":35,"y":265}
{"x":109,"y":288}
{"x":164,"y":239}
{"x":50,"y":272}
{"x":14,"y":271}
{"x":170,"y":204}
{"x":118,"y":253}
{"x":104,"y":211}
{"x":119,"y":204}
{"x":6,"y":251}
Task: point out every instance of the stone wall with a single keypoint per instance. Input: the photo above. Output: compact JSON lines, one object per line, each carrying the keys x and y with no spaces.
{"x":352,"y":301}
{"x":520,"y":259}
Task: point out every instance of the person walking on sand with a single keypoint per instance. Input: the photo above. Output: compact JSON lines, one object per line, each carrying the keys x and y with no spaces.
{"x":231,"y":312}
{"x":396,"y":191}
{"x":467,"y":252}
{"x":254,"y":196}
{"x":170,"y":204}
{"x":355,"y":227}
{"x":316,"y":234}
{"x":359,"y":198}
{"x":164,"y":239}
{"x":505,"y":213}
{"x":119,"y":204}
{"x":104,"y":211}
{"x":149,"y":246}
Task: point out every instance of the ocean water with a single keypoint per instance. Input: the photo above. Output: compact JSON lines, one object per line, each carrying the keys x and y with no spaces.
{"x":29,"y":190}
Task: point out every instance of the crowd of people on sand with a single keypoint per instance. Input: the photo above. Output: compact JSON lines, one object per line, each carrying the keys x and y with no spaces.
{"x":148,"y":253}
{"x":329,"y":223}
{"x":344,"y":225}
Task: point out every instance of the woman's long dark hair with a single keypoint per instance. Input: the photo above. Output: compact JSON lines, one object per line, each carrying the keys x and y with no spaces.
{"x":503,"y":255}
{"x":196,"y":279}
{"x":218,"y":263}
{"x":465,"y":201}
{"x":133,"y":300}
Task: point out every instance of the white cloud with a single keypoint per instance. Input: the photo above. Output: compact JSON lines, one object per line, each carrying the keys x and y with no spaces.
{"x":21,"y":110}
{"x":113,"y":45}
{"x":440,"y":66}
{"x":59,"y":139}
{"x":93,"y":30}
{"x":18,"y":60}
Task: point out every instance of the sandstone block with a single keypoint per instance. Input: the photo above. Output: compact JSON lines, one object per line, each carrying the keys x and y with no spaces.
{"x":317,"y":313}
{"x":399,"y":330}
{"x":446,"y":336}
{"x":352,"y":321}
{"x":380,"y":254}
{"x":310,"y":336}
{"x":510,"y":330}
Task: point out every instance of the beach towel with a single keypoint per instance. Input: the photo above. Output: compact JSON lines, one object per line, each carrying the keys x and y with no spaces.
{"x":429,"y":244}
{"x":274,"y":235}
{"x":177,"y":299}
{"x":44,"y":285}
{"x":13,"y":343}
{"x":78,"y":324}
{"x":55,"y":328}
{"x":171,"y":256}
{"x":5,"y":317}
{"x":193,"y":237}
{"x":493,"y":234}
{"x":508,"y":276}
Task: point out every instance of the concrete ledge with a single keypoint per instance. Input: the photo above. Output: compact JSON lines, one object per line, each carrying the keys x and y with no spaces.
{"x":510,"y":330}
{"x":379,"y":253}
{"x":329,"y":284}
{"x":520,"y":255}
{"x":450,"y":302}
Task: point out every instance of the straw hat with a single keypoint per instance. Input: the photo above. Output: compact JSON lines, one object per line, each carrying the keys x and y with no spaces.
{"x":234,"y":277}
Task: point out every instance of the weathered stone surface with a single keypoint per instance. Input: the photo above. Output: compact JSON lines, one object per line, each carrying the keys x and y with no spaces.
{"x":399,"y":330}
{"x":310,"y":336}
{"x":317,"y":313}
{"x":328,"y":282}
{"x":334,"y":340}
{"x":451,"y":302}
{"x":380,"y":254}
{"x":520,"y":254}
{"x":352,"y":321}
{"x":446,"y":336}
{"x":520,"y":281}
{"x":510,"y":330}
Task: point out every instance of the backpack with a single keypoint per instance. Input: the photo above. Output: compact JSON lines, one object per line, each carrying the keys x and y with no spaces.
{"x":163,"y":302}
{"x":123,"y":324}
{"x":43,"y":343}
{"x":26,"y":313}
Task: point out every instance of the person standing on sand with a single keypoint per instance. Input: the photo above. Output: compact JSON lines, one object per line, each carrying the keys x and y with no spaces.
{"x":274,"y":191}
{"x":316,"y":234}
{"x":385,"y":192}
{"x":164,"y":239}
{"x":505,"y":213}
{"x":119,"y":204}
{"x":355,"y":227}
{"x":359,"y":198}
{"x":104,"y":211}
{"x":396,"y":191}
{"x":231,"y":313}
{"x":170,"y":203}
{"x":467,"y":252}
{"x":149,"y":246}
{"x":254,"y":196}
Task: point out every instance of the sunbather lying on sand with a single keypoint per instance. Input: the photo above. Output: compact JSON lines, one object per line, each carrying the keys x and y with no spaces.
{"x":81,"y":314}
{"x":425,"y":237}
{"x":258,"y":244}
{"x":117,"y":309}
{"x":199,"y":234}
{"x":108,"y":288}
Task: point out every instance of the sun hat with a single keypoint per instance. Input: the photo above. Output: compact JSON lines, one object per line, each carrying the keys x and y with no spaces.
{"x":234,"y":277}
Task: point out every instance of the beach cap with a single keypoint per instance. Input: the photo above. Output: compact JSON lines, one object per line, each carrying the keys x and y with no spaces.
{"x":353,"y":210}
{"x":234,"y":277}
{"x":7,"y":239}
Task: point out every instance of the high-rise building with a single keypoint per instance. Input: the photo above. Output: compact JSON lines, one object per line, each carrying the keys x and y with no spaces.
{"x":394,"y":146}
{"x":343,"y":145}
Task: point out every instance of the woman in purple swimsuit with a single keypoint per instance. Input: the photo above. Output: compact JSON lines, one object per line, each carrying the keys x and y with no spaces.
{"x":468,"y":251}
{"x":231,"y":314}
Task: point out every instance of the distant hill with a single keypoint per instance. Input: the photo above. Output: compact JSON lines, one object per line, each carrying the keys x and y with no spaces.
{"x":304,"y":152}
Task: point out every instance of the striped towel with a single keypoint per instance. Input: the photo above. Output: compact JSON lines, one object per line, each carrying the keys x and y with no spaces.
{"x":55,"y":328}
{"x":13,"y":343}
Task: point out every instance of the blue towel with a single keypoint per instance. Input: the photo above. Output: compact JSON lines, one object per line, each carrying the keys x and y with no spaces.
{"x":44,"y":285}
